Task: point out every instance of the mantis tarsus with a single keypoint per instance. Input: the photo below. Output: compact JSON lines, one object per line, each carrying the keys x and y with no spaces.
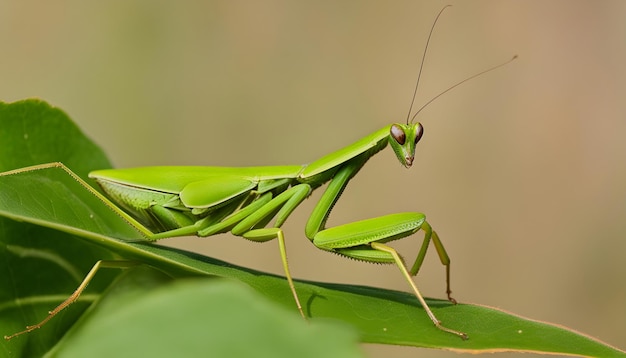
{"x":205,"y":201}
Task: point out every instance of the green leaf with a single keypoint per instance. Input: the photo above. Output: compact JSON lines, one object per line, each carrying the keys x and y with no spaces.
{"x":76,"y":227}
{"x":41,"y":266}
{"x":183,"y":313}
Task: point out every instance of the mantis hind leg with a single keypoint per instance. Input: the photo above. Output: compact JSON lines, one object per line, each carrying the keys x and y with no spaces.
{"x":74,"y":297}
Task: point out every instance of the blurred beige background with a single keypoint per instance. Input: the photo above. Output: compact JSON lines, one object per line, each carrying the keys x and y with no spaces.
{"x":521,"y":171}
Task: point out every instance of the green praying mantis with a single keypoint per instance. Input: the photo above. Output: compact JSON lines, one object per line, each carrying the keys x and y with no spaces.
{"x":254,"y":203}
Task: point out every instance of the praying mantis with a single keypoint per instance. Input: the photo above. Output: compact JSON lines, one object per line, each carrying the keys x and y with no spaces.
{"x":254,"y":203}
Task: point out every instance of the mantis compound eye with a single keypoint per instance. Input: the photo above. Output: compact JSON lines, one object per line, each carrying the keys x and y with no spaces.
{"x":419,"y":131}
{"x":397,"y":133}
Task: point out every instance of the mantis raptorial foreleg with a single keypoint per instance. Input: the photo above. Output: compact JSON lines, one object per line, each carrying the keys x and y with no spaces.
{"x":399,"y":262}
{"x":364,"y":240}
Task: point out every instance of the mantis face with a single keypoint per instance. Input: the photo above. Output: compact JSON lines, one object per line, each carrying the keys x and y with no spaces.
{"x":403,"y":138}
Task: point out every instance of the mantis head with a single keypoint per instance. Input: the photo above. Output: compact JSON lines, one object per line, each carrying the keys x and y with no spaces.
{"x":403,"y":138}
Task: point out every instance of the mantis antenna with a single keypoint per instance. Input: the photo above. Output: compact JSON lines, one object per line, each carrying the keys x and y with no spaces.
{"x":419,"y":74}
{"x":410,"y":118}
